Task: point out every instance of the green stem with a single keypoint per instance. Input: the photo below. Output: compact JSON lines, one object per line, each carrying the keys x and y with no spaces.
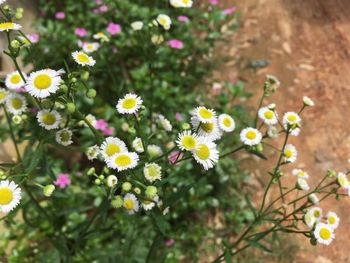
{"x":19,"y":158}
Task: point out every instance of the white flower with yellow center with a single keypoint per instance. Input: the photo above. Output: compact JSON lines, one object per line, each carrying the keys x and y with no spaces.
{"x":101,"y":36}
{"x":206,"y":153}
{"x":313,"y":199}
{"x":64,"y":137}
{"x":10,"y":196}
{"x":204,"y":115}
{"x":42,"y":83}
{"x":333,"y":220}
{"x":324,"y":233}
{"x":165,"y":123}
{"x":154,"y":150}
{"x":268,"y":116}
{"x":164,"y":21}
{"x":309,"y":219}
{"x":130,"y":104}
{"x":187,"y":3}
{"x":112,"y":180}
{"x":226,"y":122}
{"x":112,"y":146}
{"x":15,"y":81}
{"x":16,"y":104}
{"x":187,"y":141}
{"x":343,"y":180}
{"x":49,"y":119}
{"x":293,"y":121}
{"x":150,"y":204}
{"x":92,"y":152}
{"x":91,"y":119}
{"x":302,"y":184}
{"x":250,"y":136}
{"x":300,"y":173}
{"x":90,"y":47}
{"x":308,"y":102}
{"x":131,"y":203}
{"x":138,"y":145}
{"x":176,"y":3}
{"x":290,"y":153}
{"x":152,"y":172}
{"x":210,"y":130}
{"x":123,"y":161}
{"x":316,"y":212}
{"x":137,"y":25}
{"x":83,"y":59}
{"x":3,"y":95}
{"x":6,"y":26}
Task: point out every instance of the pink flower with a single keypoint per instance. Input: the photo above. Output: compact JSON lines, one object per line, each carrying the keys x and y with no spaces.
{"x":20,"y":90}
{"x":175,"y":43}
{"x":80,"y":32}
{"x":60,"y":15}
{"x":108,"y":131}
{"x":178,"y":116}
{"x":229,"y":11}
{"x":214,"y":2}
{"x":175,"y":156}
{"x":103,"y":8}
{"x":101,"y":124}
{"x":98,"y":2}
{"x":63,"y":180}
{"x":34,"y":37}
{"x":183,"y":18}
{"x":169,"y":242}
{"x":113,"y":28}
{"x":96,"y":11}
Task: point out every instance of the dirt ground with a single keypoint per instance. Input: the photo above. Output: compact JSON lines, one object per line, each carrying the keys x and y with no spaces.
{"x":307,"y":43}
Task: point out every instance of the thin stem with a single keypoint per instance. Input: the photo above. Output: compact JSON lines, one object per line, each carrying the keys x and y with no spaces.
{"x":19,"y":158}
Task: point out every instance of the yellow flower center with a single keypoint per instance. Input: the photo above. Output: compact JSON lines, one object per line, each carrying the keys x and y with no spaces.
{"x":343,"y":181}
{"x":292,"y":118}
{"x":89,"y":47}
{"x":2,"y":95}
{"x":163,"y":21}
{"x":152,"y":171}
{"x":65,"y":136}
{"x":6,"y":196}
{"x":331,"y":220}
{"x":7,"y":25}
{"x":203,"y":152}
{"x":185,"y":1}
{"x":325,"y":233}
{"x":251,"y":135}
{"x":16,"y":103}
{"x":128,"y":204}
{"x":288,"y":153}
{"x":83,"y":58}
{"x":112,"y":149}
{"x":207,"y":127}
{"x":317,"y":214}
{"x":123,"y":160}
{"x":205,"y":113}
{"x":42,"y":81}
{"x":15,"y":79}
{"x":301,"y":174}
{"x":227,"y":122}
{"x":189,"y":142}
{"x":268,"y":114}
{"x":129,"y":103}
{"x":48,"y":118}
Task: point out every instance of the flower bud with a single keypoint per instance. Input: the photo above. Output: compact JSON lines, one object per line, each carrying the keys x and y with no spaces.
{"x":117,"y":202}
{"x":70,"y":107}
{"x":64,"y":88}
{"x":46,"y":104}
{"x":15,"y":44}
{"x":331,"y":173}
{"x":24,"y":117}
{"x":259,"y":148}
{"x":48,"y":190}
{"x":112,"y":181}
{"x":101,"y":177}
{"x":151,"y":191}
{"x":85,"y":75}
{"x":186,"y":126}
{"x":308,"y":102}
{"x":126,"y":186}
{"x":91,"y":171}
{"x":137,"y":190}
{"x":17,"y":119}
{"x":125,"y":127}
{"x":91,"y":93}
{"x":97,"y":181}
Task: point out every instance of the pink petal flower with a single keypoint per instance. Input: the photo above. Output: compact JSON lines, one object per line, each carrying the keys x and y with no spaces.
{"x":175,"y":43}
{"x":214,"y":2}
{"x":101,"y":124}
{"x":169,"y":242}
{"x":34,"y":37}
{"x":183,"y":18}
{"x":178,"y":116}
{"x":175,"y":156}
{"x":108,"y":131}
{"x":80,"y":32}
{"x":113,"y":28}
{"x":63,"y":180}
{"x":103,"y":8}
{"x":98,"y":2}
{"x":229,"y":11}
{"x":60,"y":15}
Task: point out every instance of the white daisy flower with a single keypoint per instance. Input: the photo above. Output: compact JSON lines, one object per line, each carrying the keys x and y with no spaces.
{"x":206,"y":153}
{"x":309,"y":219}
{"x":176,"y":3}
{"x":268,"y":116}
{"x":302,"y":184}
{"x":42,"y":83}
{"x":131,"y":203}
{"x":316,"y":212}
{"x":92,"y":152}
{"x":204,"y":115}
{"x":333,"y":220}
{"x":14,"y":80}
{"x":152,"y":172}
{"x":49,"y":119}
{"x":6,"y":26}
{"x":290,"y":153}
{"x":90,"y":47}
{"x":154,"y":150}
{"x":308,"y":102}
{"x":112,"y":146}
{"x":164,"y":21}
{"x":91,"y":119}
{"x":210,"y":130}
{"x":64,"y":137}
{"x":272,"y":132}
{"x":3,"y":95}
{"x":10,"y":196}
{"x":250,"y":136}
{"x":187,"y":3}
{"x":150,"y":204}
{"x":187,"y":141}
{"x":112,"y":181}
{"x":101,"y":36}
{"x":16,"y":103}
{"x":165,"y":123}
{"x":123,"y":161}
{"x":324,"y":233}
{"x":300,"y":173}
{"x":137,"y":25}
{"x":226,"y":122}
{"x":137,"y":145}
{"x":292,"y":120}
{"x":83,"y":59}
{"x":313,"y":199}
{"x":130,"y":104}
{"x":343,"y":180}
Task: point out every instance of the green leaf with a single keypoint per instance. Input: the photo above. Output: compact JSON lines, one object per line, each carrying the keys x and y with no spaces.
{"x":258,"y":245}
